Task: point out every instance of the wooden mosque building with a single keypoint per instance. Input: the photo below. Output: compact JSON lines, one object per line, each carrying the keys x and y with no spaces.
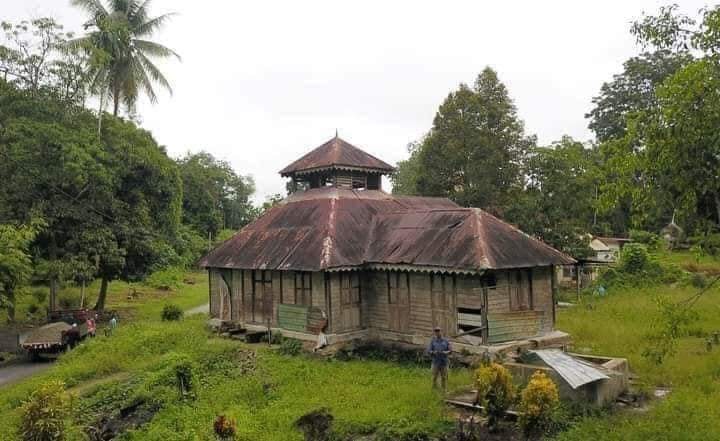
{"x":342,"y":255}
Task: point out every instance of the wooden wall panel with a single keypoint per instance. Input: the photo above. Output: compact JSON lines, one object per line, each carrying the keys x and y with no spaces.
{"x":237,"y":295}
{"x":214,"y":293}
{"x":420,"y":304}
{"x":334,"y":311}
{"x":248,"y":296}
{"x":469,"y":292}
{"x":499,"y":298}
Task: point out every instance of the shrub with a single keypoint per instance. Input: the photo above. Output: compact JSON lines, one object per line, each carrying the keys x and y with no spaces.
{"x":538,"y":404}
{"x":171,"y":312}
{"x":166,"y":279}
{"x":651,"y":240}
{"x":290,"y":346}
{"x":708,"y":243}
{"x":495,"y":391}
{"x":698,"y":280}
{"x":33,"y":308}
{"x":225,"y":427}
{"x":634,"y":258}
{"x":69,"y":301}
{"x":45,"y":412}
{"x":316,"y":425}
{"x":40,"y":295}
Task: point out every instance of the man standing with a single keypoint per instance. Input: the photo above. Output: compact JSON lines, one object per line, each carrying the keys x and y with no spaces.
{"x":439,"y":350}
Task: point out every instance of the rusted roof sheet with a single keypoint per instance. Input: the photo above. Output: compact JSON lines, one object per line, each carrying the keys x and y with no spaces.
{"x":327,"y":228}
{"x":337,"y":153}
{"x":573,"y":370}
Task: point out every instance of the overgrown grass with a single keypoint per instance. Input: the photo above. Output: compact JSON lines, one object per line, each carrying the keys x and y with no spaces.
{"x":131,"y":299}
{"x":618,"y":325}
{"x":364,"y":396}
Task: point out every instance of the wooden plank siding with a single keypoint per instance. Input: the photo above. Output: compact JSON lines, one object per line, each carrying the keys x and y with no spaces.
{"x":404,"y":302}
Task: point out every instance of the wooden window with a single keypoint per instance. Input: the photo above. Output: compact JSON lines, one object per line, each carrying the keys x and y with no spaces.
{"x":521,"y":291}
{"x":359,"y":181}
{"x":303,"y":288}
{"x":350,"y":288}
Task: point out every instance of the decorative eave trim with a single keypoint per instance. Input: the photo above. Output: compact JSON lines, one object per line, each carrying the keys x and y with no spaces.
{"x":307,"y":171}
{"x":409,"y":268}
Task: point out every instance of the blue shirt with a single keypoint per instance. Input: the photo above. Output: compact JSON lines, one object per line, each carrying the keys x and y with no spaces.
{"x":436,"y":348}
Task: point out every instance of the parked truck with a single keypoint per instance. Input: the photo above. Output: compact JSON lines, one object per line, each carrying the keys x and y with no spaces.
{"x":51,"y":340}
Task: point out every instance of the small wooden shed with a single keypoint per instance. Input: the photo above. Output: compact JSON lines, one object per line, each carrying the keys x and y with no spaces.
{"x":341,"y":255}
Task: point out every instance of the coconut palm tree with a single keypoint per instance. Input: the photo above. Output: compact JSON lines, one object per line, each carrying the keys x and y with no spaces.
{"x":121,"y":53}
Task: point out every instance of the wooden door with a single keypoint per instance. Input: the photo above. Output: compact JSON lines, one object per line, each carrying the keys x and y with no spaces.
{"x":399,"y":301}
{"x":349,"y":301}
{"x":442,"y":302}
{"x":262,"y":301}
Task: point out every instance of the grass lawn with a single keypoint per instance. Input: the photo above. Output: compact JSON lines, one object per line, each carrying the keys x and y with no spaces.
{"x":266,"y":391}
{"x":617,"y":325}
{"x":147,"y":302}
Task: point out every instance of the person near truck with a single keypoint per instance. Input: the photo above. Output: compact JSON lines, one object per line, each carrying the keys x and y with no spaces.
{"x":439,"y":349}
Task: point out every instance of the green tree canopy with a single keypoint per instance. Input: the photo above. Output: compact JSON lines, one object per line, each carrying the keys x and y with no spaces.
{"x":215,"y":197}
{"x":474,"y":151}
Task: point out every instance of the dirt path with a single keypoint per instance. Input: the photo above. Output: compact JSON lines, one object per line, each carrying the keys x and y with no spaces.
{"x":202,"y":309}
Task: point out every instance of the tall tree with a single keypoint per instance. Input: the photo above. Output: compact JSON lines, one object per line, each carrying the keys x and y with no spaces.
{"x":215,"y":197}
{"x":558,"y":202}
{"x":120,"y":32}
{"x":632,"y":91}
{"x":474,"y":151}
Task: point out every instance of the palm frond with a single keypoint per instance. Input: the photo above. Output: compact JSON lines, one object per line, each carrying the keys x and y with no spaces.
{"x":149,"y":27}
{"x":152,"y":49}
{"x":140,"y":80}
{"x":139,"y":13}
{"x":94,"y":7}
{"x":150,"y":68}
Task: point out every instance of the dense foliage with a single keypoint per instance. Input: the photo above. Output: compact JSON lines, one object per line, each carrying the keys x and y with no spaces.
{"x":112,"y":204}
{"x":655,"y":156}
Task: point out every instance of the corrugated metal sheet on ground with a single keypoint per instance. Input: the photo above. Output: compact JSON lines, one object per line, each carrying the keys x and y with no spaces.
{"x":575,"y":371}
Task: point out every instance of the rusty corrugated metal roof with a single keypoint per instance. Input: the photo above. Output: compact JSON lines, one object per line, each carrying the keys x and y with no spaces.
{"x":326,"y":228}
{"x":337,"y":153}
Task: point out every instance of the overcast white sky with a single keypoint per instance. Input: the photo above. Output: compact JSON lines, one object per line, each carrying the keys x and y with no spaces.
{"x":263,"y":82}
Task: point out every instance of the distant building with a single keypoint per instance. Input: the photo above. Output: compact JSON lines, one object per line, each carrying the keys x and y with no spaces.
{"x":672,"y":234}
{"x":342,"y":256}
{"x":606,"y":250}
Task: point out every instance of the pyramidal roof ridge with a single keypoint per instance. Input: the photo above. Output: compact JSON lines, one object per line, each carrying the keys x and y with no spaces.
{"x":337,"y":153}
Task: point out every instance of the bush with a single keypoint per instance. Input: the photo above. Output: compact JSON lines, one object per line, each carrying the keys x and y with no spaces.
{"x":495,"y":391}
{"x":225,"y":427}
{"x":698,"y":280}
{"x":33,"y":308}
{"x":40,"y":295}
{"x":171,"y":313}
{"x":634,"y":258}
{"x":316,"y":425}
{"x":708,"y":243}
{"x":290,"y":346}
{"x":44,"y":413}
{"x":69,"y":301}
{"x":166,"y":279}
{"x":538,"y":403}
{"x":651,"y":240}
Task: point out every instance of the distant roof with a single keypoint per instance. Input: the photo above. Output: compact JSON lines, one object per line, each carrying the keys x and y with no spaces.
{"x":337,"y":154}
{"x":331,"y":228}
